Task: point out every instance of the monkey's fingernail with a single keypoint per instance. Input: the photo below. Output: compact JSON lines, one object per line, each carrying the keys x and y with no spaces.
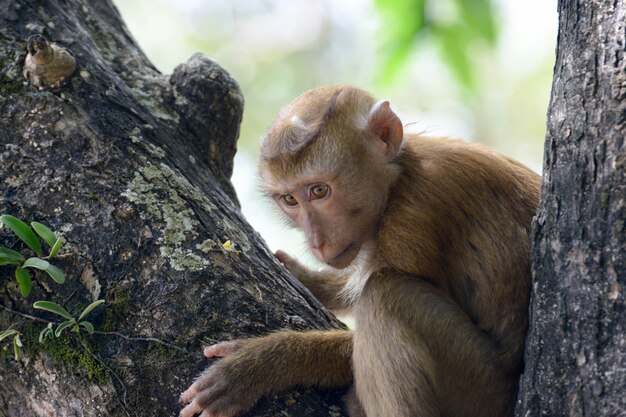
{"x":186,"y":396}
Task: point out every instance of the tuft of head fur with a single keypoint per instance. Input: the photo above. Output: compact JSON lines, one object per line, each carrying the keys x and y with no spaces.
{"x":317,"y":132}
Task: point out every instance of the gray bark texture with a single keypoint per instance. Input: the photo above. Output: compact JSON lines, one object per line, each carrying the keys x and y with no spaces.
{"x":576,"y":346}
{"x":132,"y":167}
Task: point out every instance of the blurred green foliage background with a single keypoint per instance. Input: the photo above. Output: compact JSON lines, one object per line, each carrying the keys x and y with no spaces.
{"x":476,"y":69}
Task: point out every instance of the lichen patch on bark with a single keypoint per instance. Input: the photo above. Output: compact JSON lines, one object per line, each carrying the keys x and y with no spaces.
{"x":136,"y":137}
{"x":160,"y":191}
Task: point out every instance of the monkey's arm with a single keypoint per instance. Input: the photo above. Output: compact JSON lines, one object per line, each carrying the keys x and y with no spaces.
{"x":251,"y":368}
{"x":324,"y":285}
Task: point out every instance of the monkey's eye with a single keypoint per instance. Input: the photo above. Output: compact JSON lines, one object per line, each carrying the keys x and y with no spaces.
{"x":289,"y":200}
{"x":318,"y":191}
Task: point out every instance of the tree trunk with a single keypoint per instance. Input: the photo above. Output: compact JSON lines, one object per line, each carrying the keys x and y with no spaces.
{"x":576,"y":347}
{"x":133,"y":168}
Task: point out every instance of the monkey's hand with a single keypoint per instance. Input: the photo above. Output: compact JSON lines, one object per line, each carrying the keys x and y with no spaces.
{"x":325,"y":285}
{"x":251,"y":368}
{"x":293,"y":266}
{"x":223,"y":389}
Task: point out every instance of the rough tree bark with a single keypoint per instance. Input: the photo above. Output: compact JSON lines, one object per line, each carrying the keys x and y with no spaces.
{"x":576,"y":347}
{"x":133,"y":168}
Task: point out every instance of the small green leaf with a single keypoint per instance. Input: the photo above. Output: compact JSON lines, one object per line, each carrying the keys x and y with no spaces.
{"x":76,"y":328}
{"x":62,"y":327}
{"x":89,"y":309}
{"x":57,"y":275}
{"x":22,"y":231}
{"x":23,"y":281}
{"x":56,"y":248}
{"x":45,"y":233}
{"x":36,"y":263}
{"x":8,"y":333}
{"x":42,"y":334}
{"x":10,"y":257}
{"x":53,"y":308}
{"x":17,"y":344}
{"x":52,"y":270}
{"x":45,"y":332}
{"x":87,"y":325}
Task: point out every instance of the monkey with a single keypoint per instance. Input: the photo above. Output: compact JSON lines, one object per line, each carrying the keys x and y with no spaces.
{"x":427,"y":240}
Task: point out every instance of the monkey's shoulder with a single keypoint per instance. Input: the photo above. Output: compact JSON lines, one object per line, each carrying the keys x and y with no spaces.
{"x":449,"y":195}
{"x":454,"y":167}
{"x":457,"y":153}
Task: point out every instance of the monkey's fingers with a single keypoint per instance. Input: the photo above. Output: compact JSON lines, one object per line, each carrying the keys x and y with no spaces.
{"x":225,"y":407}
{"x":221,"y":349}
{"x":191,"y":410}
{"x":204,"y":384}
{"x":188,"y":395}
{"x":283,"y":257}
{"x":290,"y":263}
{"x":204,"y":381}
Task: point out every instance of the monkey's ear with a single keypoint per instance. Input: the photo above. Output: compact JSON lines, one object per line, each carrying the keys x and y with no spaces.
{"x":387,"y":127}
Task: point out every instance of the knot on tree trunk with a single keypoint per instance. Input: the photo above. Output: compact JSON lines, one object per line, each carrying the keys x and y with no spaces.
{"x":210,"y":103}
{"x":47,"y":64}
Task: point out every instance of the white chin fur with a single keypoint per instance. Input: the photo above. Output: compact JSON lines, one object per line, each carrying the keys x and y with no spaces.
{"x":360,"y":270}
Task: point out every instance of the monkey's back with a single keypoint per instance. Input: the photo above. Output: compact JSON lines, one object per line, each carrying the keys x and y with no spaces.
{"x":459,"y":216}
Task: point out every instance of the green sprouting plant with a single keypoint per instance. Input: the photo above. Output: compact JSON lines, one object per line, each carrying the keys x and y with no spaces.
{"x":32,"y":236}
{"x":48,"y":332}
{"x":23,"y":264}
{"x":17,"y":342}
{"x":70,"y":321}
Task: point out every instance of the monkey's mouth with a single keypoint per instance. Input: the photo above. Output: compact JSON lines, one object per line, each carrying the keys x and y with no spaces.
{"x":345,"y":257}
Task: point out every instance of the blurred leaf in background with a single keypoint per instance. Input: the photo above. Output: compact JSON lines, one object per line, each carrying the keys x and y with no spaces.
{"x":459,"y":28}
{"x":402,"y":23}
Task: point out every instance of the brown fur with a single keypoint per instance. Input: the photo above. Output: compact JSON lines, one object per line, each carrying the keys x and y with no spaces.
{"x":441,"y":320}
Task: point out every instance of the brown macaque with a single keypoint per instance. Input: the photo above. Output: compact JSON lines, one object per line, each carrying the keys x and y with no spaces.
{"x":428,"y":239}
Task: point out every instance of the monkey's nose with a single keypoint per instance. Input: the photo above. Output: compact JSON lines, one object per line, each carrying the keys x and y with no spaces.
{"x":317,"y":244}
{"x":318,"y":249}
{"x":316,"y":240}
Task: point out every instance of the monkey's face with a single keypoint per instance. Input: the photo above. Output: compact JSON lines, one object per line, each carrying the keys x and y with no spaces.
{"x":335,"y":219}
{"x":327,"y":162}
